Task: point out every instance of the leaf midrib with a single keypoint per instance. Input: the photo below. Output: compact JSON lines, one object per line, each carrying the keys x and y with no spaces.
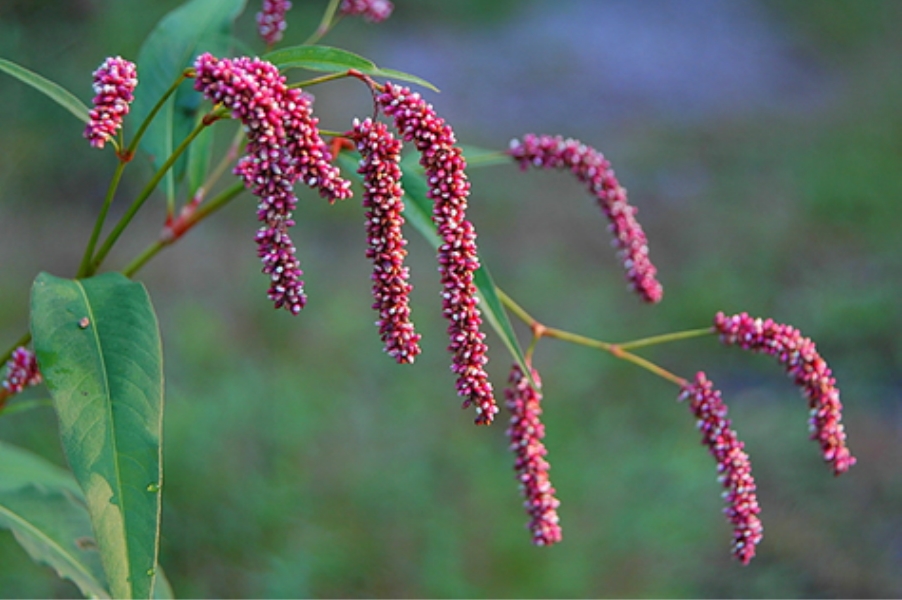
{"x":108,"y":406}
{"x":39,"y":533}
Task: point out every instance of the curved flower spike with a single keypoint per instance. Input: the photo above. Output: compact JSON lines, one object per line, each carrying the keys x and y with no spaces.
{"x":381,"y":152}
{"x":449,"y":189}
{"x":591,"y":168}
{"x":374,"y":11}
{"x":21,"y":371}
{"x":271,"y":20}
{"x":284,"y":145}
{"x":114,"y":85}
{"x":526,"y":432}
{"x":733,"y":466}
{"x":810,"y":372}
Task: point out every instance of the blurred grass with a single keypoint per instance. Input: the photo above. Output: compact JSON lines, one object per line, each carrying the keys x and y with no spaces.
{"x":300,"y":461}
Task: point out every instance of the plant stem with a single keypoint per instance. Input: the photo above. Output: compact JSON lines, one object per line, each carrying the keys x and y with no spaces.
{"x":85,"y":265}
{"x":325,"y":24}
{"x":321,"y":79}
{"x":489,"y":159}
{"x":539,"y":330}
{"x":664,"y":338}
{"x":202,"y":212}
{"x":153,"y":112}
{"x":142,"y":197}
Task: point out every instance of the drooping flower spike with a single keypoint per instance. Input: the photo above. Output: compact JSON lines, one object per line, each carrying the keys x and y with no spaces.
{"x":374,"y":11}
{"x":733,"y":466}
{"x":449,"y":189}
{"x":808,"y":369}
{"x":381,"y":152}
{"x":526,"y":432}
{"x":271,"y":20}
{"x":592,"y":168}
{"x":283,"y":146}
{"x":21,"y":371}
{"x":114,"y":86}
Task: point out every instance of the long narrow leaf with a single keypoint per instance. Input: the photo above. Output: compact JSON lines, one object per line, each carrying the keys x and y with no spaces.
{"x":52,"y":90}
{"x":44,"y":508}
{"x":55,"y":530}
{"x":335,"y":60}
{"x":195,"y":27}
{"x":98,"y":346}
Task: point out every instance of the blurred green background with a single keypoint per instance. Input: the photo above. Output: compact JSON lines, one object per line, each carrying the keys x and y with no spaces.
{"x":762,"y":142}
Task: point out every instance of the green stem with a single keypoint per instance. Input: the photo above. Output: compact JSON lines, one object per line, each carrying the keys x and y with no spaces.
{"x":321,"y":79}
{"x":489,"y":159}
{"x":539,"y":330}
{"x":85,"y":265}
{"x":514,"y":307}
{"x":664,"y":338}
{"x":153,"y":112}
{"x":202,"y":212}
{"x":139,"y":261}
{"x":227,"y":159}
{"x":142,"y":197}
{"x":325,"y":24}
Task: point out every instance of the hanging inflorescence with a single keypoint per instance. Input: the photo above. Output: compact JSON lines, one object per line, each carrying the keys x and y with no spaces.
{"x":285,"y":146}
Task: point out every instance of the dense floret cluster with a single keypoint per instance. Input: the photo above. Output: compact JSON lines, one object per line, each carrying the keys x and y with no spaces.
{"x":526,"y":432}
{"x":592,"y":168}
{"x":114,"y":88}
{"x":808,"y":369}
{"x":733,"y":466}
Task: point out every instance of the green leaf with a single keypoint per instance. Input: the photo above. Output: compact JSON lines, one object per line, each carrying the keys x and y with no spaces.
{"x":20,"y":468}
{"x":54,"y":529}
{"x":52,"y":90}
{"x":22,"y":406}
{"x":195,"y":27}
{"x":335,"y":60}
{"x":418,"y":212}
{"x":98,"y":346}
{"x":318,"y":58}
{"x":44,"y":508}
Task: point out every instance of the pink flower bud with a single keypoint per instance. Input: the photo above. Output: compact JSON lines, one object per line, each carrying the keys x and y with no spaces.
{"x":374,"y":11}
{"x":21,"y":371}
{"x":591,"y":168}
{"x":382,"y":194}
{"x":526,"y":432}
{"x":271,"y":20}
{"x":114,"y":85}
{"x":449,"y":189}
{"x":733,"y":466}
{"x":284,"y":146}
{"x":810,"y":372}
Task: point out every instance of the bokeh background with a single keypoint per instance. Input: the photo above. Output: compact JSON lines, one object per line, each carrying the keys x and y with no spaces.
{"x":761,"y":141}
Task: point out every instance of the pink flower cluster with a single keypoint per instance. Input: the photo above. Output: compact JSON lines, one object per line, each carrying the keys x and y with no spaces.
{"x":114,"y":86}
{"x":526,"y":432}
{"x":284,"y":145}
{"x":271,"y":20}
{"x":733,"y":466}
{"x":381,"y":152}
{"x":374,"y":11}
{"x":810,"y":372}
{"x":591,"y":168}
{"x":21,"y":371}
{"x":449,"y":189}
